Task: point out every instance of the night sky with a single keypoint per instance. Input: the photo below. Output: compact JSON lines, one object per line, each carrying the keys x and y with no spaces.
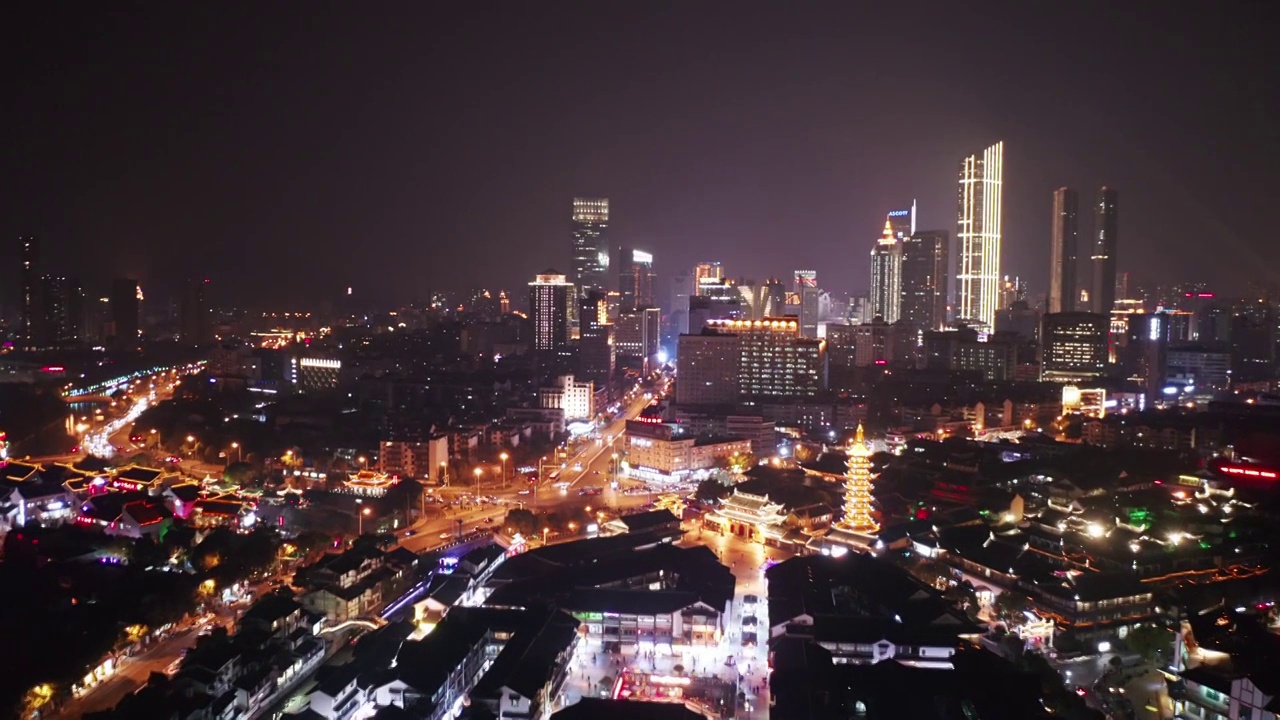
{"x":287,"y":150}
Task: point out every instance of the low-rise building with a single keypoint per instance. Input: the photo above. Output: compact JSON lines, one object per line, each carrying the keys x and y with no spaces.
{"x":661,"y":451}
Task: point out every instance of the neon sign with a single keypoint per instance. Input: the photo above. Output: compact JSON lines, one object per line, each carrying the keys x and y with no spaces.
{"x":899,"y":213}
{"x":1246,"y":471}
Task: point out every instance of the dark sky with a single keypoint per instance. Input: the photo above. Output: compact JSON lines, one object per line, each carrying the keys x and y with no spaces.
{"x":287,"y":150}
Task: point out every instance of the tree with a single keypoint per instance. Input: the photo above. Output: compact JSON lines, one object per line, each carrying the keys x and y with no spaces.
{"x":1149,"y":641}
{"x":1010,"y":606}
{"x":521,"y":521}
{"x":963,"y":596}
{"x":238,"y":474}
{"x":711,"y":490}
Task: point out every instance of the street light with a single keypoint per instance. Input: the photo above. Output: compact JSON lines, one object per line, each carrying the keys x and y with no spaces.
{"x":362,"y":515}
{"x":504,"y":457}
{"x":478,"y":472}
{"x":362,"y":460}
{"x":444,"y":472}
{"x":236,"y":446}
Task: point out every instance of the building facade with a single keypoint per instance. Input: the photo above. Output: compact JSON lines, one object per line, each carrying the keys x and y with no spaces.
{"x":635,"y":279}
{"x":979,"y":234}
{"x":886,"y":275}
{"x":1063,"y":250}
{"x":1106,"y":226}
{"x":925,"y":263}
{"x":1074,"y":346}
{"x":708,"y":367}
{"x":549,"y":295}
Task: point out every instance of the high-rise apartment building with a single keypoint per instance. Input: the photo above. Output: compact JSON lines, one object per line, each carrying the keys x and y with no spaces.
{"x":549,"y":295}
{"x":979,"y":233}
{"x":590,"y":249}
{"x":194,"y":315}
{"x":710,"y":272}
{"x":635,"y":278}
{"x":1074,"y":346}
{"x":1106,"y":227}
{"x":886,"y":275}
{"x":924,"y":279}
{"x":126,"y":313}
{"x":1063,"y":249}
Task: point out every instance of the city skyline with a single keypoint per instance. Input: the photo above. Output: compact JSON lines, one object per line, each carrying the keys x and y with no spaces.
{"x":285,"y":170}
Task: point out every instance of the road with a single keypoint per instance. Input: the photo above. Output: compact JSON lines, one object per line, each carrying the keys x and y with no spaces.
{"x":131,"y":674}
{"x":596,"y":459}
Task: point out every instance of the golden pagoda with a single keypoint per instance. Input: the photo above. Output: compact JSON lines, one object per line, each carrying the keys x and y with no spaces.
{"x":857,"y":517}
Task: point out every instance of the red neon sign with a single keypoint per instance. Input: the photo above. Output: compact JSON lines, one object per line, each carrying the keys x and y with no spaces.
{"x":1246,"y":471}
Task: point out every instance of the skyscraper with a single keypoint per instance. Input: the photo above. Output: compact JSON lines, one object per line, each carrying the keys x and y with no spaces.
{"x":710,"y":271}
{"x":595,"y":338}
{"x":637,"y":340}
{"x":62,"y":303}
{"x":924,"y":280}
{"x":193,"y":314}
{"x":808,"y":296}
{"x":1063,"y":249}
{"x":126,"y":313}
{"x":32,"y":313}
{"x":979,"y":229}
{"x":549,"y":295}
{"x":886,"y":275}
{"x":590,"y":267}
{"x":1106,"y":225}
{"x":635,"y":278}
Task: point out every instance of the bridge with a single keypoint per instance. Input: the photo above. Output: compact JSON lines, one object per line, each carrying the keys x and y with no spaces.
{"x":102,"y":399}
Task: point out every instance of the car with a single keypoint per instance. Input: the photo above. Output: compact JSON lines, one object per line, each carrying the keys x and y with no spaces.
{"x":522,"y":492}
{"x":410,"y":533}
{"x":445,"y":536}
{"x":488,"y":521}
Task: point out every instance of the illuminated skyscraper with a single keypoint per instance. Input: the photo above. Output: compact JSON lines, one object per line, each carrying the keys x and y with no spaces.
{"x":706,"y":273}
{"x":1106,"y":213}
{"x":886,"y":275}
{"x":858,"y":514}
{"x":924,"y":279}
{"x":1063,"y":251}
{"x":635,"y":278}
{"x":979,"y":229}
{"x":549,"y":295}
{"x":590,"y":267}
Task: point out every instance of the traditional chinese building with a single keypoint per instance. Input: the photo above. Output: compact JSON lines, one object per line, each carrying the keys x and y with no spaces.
{"x":753,"y":517}
{"x":369,"y":483}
